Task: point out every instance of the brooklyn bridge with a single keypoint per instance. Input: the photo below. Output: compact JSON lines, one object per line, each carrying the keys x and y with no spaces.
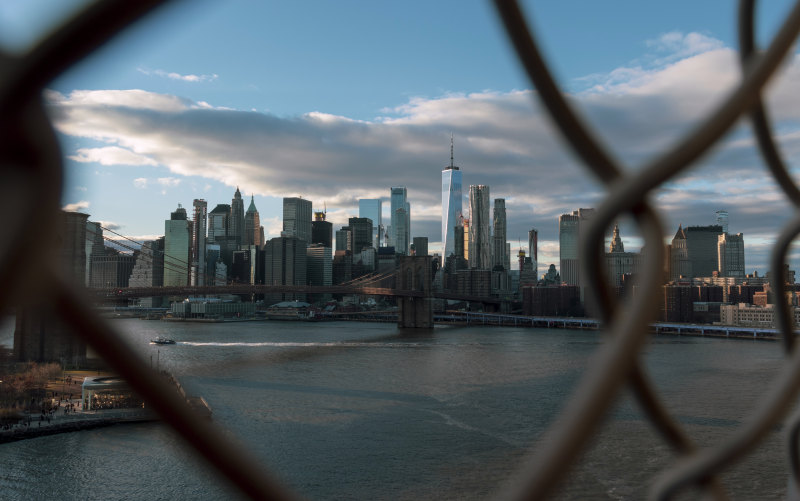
{"x":411,"y":284}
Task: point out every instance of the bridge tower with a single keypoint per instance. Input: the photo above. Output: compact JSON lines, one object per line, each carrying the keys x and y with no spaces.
{"x":414,"y":274}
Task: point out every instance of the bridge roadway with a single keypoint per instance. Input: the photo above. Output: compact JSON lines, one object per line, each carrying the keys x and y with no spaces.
{"x":193,"y":291}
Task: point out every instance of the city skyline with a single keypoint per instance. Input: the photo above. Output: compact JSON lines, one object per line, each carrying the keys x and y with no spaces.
{"x":164,"y":117}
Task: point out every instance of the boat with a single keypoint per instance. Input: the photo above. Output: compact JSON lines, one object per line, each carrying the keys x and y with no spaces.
{"x":162,"y":340}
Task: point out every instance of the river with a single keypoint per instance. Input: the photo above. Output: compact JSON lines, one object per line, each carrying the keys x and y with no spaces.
{"x":346,"y":410}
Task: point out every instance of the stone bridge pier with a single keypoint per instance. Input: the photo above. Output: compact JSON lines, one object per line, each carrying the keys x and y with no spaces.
{"x":414,"y":274}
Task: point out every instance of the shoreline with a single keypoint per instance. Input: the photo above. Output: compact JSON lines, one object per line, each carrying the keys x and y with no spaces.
{"x":76,"y":422}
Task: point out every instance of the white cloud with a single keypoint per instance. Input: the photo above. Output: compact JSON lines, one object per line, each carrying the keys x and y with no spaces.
{"x":110,"y":225}
{"x":140,"y":182}
{"x":111,"y":155}
{"x":76,"y":207}
{"x":168,"y":181}
{"x":679,"y":45}
{"x":501,"y":138}
{"x":81,"y":188}
{"x":177,"y":76}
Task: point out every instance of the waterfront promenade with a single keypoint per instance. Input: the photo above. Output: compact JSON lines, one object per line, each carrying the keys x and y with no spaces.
{"x":63,"y":420}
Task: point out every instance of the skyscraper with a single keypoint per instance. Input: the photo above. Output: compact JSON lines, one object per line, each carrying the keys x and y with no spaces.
{"x":297,"y":218}
{"x":177,"y":239}
{"x":362,"y":233}
{"x":319,"y":268}
{"x":199,"y":222}
{"x":148,"y":271}
{"x":569,"y":244}
{"x":401,"y":231}
{"x":533,"y":250}
{"x":421,"y":246}
{"x":451,"y":204}
{"x":372,"y":208}
{"x":722,"y":220}
{"x":401,"y":219}
{"x":321,"y":230}
{"x":252,"y":225}
{"x":679,"y":266}
{"x":730,"y":254}
{"x":236,"y":222}
{"x":285,"y":264}
{"x":218,"y":222}
{"x":499,"y":248}
{"x":620,"y":263}
{"x":702,"y":246}
{"x":344,"y":239}
{"x":479,"y":227}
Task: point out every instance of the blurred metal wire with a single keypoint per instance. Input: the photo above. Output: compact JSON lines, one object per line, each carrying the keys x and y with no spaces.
{"x":29,"y":154}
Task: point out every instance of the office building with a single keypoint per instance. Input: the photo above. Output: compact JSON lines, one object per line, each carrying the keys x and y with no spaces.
{"x":702,"y":243}
{"x":241,"y":268}
{"x":111,"y":269}
{"x":148,"y":270}
{"x":253,"y":231}
{"x":236,"y":221}
{"x":371,"y":208}
{"x":344,"y":239}
{"x":198,"y":253}
{"x":451,"y":204}
{"x":361,"y":227}
{"x":285,"y":263}
{"x":401,"y":232}
{"x":499,"y":243}
{"x":479,"y":228}
{"x":321,"y":230}
{"x":177,"y":244}
{"x":218,"y":222}
{"x":679,"y":256}
{"x":722,"y":220}
{"x":619,"y":263}
{"x":297,"y":218}
{"x":533,"y":250}
{"x":319,"y":266}
{"x":569,"y":231}
{"x":400,"y":220}
{"x":730,"y":255}
{"x":421,"y":246}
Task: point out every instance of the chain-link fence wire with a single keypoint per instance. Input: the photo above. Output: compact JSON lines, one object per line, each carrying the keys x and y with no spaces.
{"x":31,"y":163}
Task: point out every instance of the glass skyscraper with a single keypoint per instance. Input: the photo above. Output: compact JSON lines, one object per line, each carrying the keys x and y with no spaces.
{"x":372,"y":208}
{"x":451,"y":204}
{"x":401,"y":220}
{"x":297,"y":218}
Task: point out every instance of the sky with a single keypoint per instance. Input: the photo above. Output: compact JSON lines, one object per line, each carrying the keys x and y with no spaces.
{"x":336,"y":101}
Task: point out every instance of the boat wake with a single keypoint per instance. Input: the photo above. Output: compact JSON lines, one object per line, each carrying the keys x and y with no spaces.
{"x":294,"y":344}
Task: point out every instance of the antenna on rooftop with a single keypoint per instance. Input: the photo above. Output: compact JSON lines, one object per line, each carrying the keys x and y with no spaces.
{"x":451,"y":150}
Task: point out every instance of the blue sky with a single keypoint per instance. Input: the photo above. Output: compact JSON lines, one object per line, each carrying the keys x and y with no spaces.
{"x":337,"y":101}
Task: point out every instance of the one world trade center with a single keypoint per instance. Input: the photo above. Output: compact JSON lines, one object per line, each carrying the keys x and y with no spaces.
{"x":451,"y":204}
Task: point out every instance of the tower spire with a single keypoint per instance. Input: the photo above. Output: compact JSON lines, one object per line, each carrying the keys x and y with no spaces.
{"x":451,"y":151}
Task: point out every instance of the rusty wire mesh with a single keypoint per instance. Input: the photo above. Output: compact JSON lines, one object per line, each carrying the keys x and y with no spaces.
{"x":29,"y":154}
